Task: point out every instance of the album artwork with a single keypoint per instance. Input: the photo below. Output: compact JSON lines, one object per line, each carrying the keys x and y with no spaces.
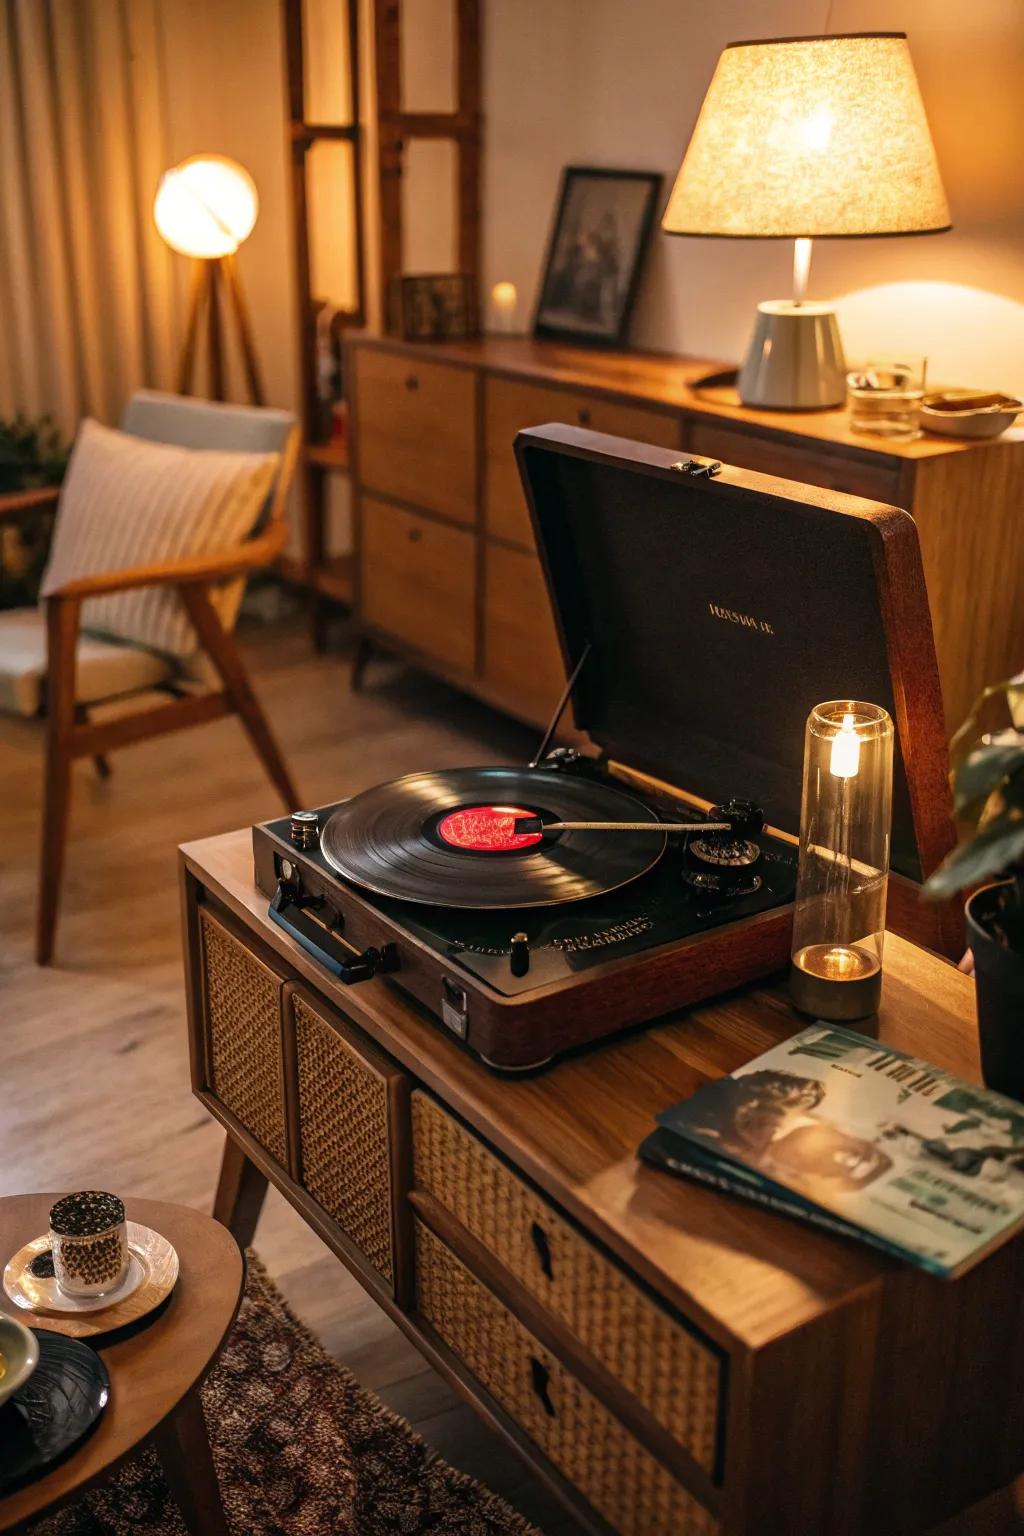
{"x":846,"y":1132}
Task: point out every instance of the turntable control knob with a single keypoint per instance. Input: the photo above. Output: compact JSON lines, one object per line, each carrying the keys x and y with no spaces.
{"x":519,"y":954}
{"x":305,"y":829}
{"x":744,"y":817}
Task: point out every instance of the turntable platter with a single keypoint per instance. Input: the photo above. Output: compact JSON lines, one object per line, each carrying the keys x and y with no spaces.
{"x":448,"y":839}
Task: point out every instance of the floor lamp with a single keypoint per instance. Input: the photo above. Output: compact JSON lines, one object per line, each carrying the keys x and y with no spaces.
{"x":204,"y":208}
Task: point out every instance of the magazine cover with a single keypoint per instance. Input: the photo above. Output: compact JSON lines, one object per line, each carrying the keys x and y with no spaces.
{"x":930,"y":1166}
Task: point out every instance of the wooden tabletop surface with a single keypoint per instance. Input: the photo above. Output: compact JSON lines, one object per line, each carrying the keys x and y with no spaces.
{"x":660,"y":379}
{"x":151,"y":1372}
{"x":745,"y":1274}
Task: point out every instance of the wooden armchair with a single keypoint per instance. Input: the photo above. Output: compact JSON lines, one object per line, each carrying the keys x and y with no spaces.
{"x":78,"y":670}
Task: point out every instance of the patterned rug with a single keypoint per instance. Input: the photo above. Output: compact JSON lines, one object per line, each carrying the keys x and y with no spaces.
{"x":301,"y":1450}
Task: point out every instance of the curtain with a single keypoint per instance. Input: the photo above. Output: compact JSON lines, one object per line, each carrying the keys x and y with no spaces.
{"x":89,"y":302}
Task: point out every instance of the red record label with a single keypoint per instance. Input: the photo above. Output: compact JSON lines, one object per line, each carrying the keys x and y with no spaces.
{"x":487,"y":829}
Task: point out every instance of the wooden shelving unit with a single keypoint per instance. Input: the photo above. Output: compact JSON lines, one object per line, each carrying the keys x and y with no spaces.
{"x":325,"y":577}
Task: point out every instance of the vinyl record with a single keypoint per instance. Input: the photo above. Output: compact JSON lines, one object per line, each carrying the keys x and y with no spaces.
{"x":448,"y":839}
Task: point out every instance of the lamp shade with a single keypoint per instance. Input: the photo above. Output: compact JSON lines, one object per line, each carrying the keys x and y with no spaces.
{"x":812,"y":136}
{"x":206,"y":206}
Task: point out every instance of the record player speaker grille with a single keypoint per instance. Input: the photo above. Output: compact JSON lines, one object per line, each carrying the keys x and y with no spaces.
{"x":243,"y":1017}
{"x":670,"y":1371}
{"x":588,"y":1445}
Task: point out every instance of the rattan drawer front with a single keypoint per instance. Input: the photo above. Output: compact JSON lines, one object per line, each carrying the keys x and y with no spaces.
{"x":588,"y":1445}
{"x":243,"y":1020}
{"x":665,"y":1367}
{"x":344,"y":1121}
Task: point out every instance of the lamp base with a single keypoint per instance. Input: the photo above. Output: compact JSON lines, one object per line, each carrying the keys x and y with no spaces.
{"x":795,"y":360}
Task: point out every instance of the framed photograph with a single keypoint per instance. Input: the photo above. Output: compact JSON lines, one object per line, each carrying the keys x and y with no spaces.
{"x":601,"y":230}
{"x":434,"y":307}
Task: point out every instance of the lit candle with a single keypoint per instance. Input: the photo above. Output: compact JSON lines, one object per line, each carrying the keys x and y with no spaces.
{"x":845,"y":758}
{"x":503,"y":307}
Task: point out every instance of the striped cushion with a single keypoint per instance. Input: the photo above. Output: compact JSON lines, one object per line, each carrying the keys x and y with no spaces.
{"x":128,"y":502}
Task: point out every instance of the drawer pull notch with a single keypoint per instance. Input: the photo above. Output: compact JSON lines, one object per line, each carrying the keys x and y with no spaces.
{"x":540,"y":1376}
{"x":543,"y":1247}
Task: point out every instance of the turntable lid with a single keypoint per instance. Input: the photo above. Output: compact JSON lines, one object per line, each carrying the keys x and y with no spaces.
{"x":720,"y":611}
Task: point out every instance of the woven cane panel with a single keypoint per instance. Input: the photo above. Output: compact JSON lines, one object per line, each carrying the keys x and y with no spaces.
{"x":664,"y":1366}
{"x":622,"y":1480}
{"x":243,"y":1013}
{"x":343,"y":1127}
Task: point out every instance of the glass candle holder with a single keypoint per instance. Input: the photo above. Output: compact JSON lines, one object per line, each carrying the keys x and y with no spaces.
{"x":89,"y":1243}
{"x":843,"y":873}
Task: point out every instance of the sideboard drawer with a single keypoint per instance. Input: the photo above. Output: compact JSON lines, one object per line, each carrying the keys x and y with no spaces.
{"x":509,"y":406}
{"x":416,"y":425}
{"x":348,"y":1096}
{"x":668,"y":1369}
{"x":872,"y":476}
{"x":417,"y":582}
{"x":522,"y":659}
{"x":242,"y":1006}
{"x":589,"y":1446}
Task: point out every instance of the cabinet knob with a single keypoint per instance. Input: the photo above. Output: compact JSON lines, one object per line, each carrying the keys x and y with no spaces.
{"x":583,"y":416}
{"x":411,"y":381}
{"x":415,"y":534}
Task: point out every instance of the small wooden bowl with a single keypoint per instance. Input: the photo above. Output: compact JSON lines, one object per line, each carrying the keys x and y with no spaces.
{"x":968,"y":412}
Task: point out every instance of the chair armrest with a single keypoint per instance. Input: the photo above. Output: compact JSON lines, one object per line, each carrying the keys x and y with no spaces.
{"x":174,"y":573}
{"x":17,"y":503}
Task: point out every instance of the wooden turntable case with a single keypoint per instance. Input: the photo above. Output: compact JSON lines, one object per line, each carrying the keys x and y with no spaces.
{"x":580,"y":486}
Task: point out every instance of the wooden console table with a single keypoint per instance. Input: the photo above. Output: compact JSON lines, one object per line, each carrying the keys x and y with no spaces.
{"x":446,"y":569}
{"x":672,"y":1362}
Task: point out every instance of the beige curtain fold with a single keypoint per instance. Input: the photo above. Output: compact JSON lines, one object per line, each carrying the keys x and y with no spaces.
{"x":89,"y":301}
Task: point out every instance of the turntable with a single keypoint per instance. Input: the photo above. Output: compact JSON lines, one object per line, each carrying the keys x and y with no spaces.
{"x":537,"y":908}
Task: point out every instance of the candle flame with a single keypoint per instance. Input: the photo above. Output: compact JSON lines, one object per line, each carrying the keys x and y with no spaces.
{"x":845,"y":759}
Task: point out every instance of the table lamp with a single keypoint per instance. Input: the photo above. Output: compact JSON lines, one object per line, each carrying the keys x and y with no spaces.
{"x":803,"y":138}
{"x":205,"y":208}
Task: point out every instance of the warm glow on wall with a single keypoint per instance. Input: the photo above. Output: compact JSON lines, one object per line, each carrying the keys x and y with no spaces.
{"x":206,"y":206}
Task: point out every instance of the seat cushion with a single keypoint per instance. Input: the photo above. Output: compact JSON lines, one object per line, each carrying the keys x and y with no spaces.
{"x":105,"y":668}
{"x":127,"y":502}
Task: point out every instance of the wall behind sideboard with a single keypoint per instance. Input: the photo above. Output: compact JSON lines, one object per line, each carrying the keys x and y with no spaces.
{"x":620,"y":83}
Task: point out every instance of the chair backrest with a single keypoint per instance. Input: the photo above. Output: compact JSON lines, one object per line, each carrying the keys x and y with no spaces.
{"x":189,"y":423}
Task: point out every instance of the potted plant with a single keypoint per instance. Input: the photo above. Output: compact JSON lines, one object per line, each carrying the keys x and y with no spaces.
{"x":989,"y":794}
{"x":32,"y":454}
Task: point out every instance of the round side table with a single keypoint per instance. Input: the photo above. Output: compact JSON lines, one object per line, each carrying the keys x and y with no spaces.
{"x":154,"y":1375}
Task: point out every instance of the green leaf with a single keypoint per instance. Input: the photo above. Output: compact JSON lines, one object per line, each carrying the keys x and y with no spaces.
{"x":985,"y":770}
{"x":992,"y":853}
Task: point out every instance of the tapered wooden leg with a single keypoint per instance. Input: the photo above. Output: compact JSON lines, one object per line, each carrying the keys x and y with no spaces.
{"x":361,"y":653}
{"x":200,"y":287}
{"x":183,"y":1445}
{"x":62,"y":637}
{"x":100,"y":761}
{"x":224,"y":655}
{"x":240,"y":1191}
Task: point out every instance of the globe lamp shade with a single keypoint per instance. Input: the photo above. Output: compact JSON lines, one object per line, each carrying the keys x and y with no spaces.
{"x":206,"y":206}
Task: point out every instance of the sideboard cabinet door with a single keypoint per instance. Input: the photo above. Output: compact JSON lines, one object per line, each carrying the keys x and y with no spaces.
{"x":417,"y":582}
{"x":416,"y":426}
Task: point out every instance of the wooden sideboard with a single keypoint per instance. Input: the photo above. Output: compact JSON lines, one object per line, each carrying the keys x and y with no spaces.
{"x":672,"y":1362}
{"x":446,"y":571}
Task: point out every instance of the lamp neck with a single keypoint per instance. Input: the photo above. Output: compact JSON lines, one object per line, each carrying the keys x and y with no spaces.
{"x":801,"y":267}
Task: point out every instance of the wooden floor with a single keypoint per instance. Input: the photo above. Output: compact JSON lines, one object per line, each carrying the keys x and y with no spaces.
{"x":93,"y":1064}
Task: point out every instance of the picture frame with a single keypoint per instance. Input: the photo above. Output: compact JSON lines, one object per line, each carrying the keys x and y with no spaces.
{"x":434,"y":306}
{"x":601,"y":231}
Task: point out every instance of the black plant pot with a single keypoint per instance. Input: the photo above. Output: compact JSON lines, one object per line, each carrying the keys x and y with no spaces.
{"x":999,"y":974}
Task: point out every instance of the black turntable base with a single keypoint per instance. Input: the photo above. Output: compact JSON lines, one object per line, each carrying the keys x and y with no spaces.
{"x":525,"y":942}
